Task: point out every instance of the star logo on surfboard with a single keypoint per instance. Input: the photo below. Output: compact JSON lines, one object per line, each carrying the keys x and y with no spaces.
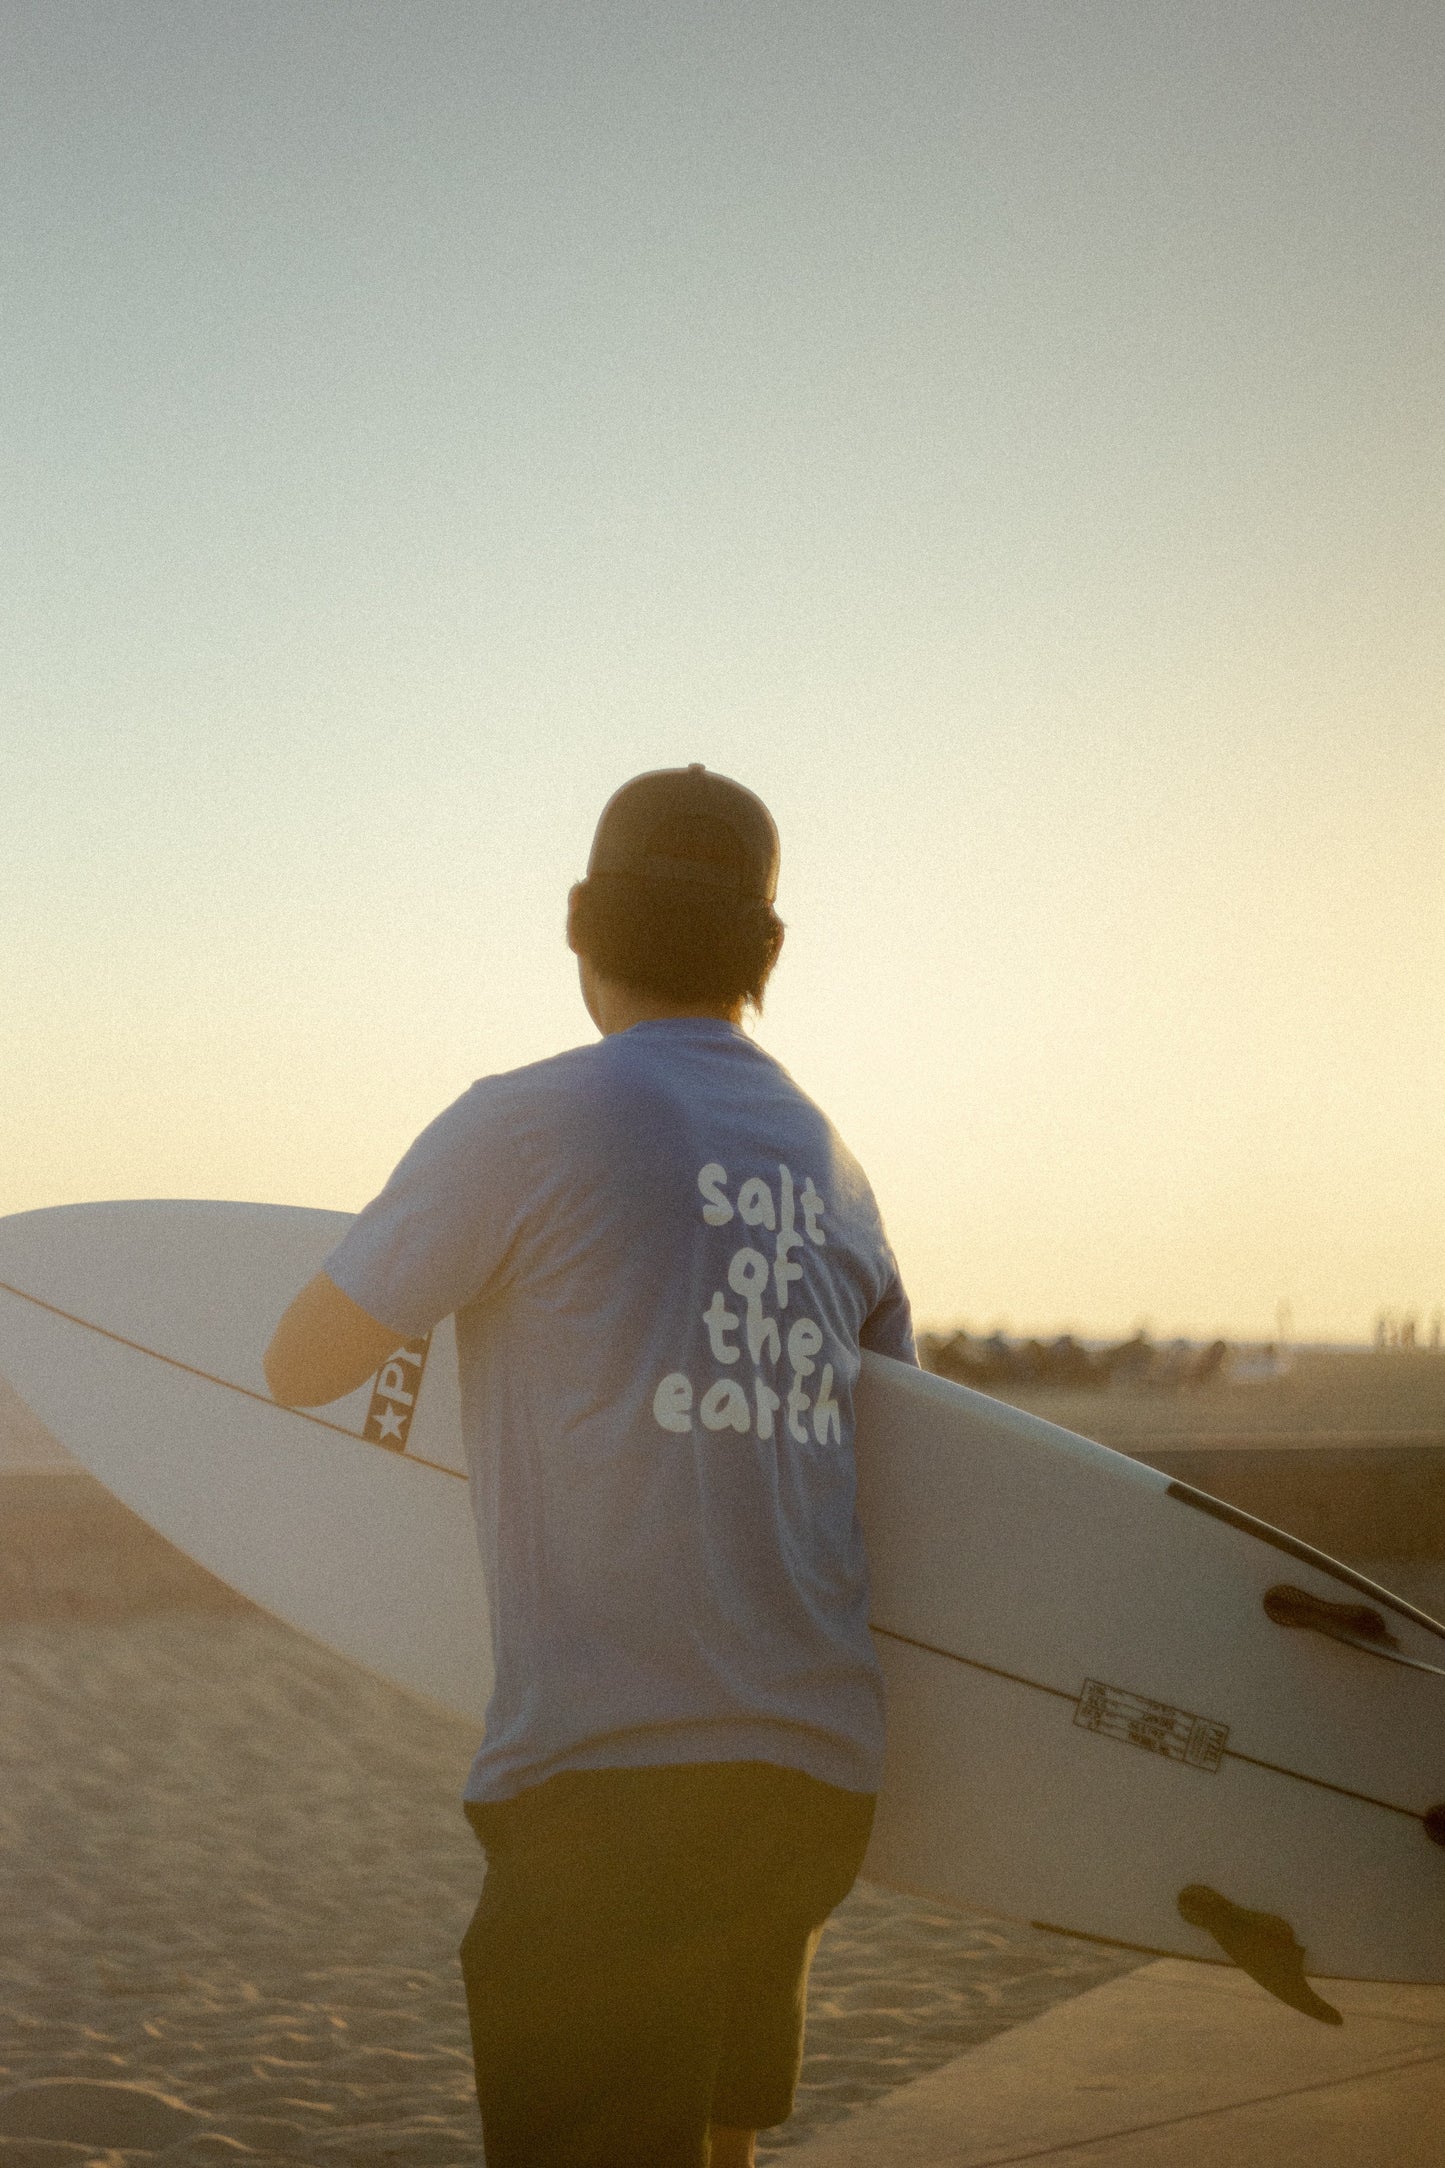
{"x":394,"y":1395}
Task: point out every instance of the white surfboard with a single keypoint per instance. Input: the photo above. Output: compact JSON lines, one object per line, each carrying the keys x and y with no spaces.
{"x":1116,"y":1707}
{"x":136,"y":1330}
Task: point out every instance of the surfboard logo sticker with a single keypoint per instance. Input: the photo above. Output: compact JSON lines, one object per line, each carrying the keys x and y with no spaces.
{"x":394,"y":1395}
{"x":1178,"y":1734}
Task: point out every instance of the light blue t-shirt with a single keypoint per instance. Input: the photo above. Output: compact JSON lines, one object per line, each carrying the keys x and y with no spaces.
{"x":663,"y":1262}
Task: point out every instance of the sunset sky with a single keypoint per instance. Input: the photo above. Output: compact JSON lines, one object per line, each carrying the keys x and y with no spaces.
{"x":1009,"y":437}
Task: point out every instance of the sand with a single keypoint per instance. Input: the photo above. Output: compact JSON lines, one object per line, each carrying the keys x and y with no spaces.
{"x":236,"y":1875}
{"x":235,"y":1869}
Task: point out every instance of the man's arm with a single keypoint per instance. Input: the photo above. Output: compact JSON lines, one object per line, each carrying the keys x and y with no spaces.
{"x":325,"y":1346}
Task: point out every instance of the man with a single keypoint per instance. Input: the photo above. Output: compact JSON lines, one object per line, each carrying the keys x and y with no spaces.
{"x":663,"y":1263}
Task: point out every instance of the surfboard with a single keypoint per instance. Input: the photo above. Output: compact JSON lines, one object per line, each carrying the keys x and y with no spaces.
{"x":135,"y":1331}
{"x":1117,"y":1707}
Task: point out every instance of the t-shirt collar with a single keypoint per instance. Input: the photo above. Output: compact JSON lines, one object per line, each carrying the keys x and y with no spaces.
{"x":708,"y":1027}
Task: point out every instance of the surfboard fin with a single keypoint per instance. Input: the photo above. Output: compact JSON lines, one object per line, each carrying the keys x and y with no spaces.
{"x":1358,"y":1625}
{"x":1261,"y":1944}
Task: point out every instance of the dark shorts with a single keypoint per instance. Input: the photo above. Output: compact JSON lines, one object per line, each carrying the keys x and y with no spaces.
{"x":637,"y":1967}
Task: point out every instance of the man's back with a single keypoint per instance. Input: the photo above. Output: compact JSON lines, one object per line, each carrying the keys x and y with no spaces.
{"x":663,"y":1262}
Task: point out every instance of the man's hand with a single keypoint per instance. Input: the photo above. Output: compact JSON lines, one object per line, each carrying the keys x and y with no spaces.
{"x":325,"y":1346}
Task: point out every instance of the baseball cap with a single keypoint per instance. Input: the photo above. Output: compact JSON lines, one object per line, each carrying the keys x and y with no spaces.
{"x":685,"y":824}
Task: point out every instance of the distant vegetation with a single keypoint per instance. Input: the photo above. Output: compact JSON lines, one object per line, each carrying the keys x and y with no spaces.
{"x":1071,"y":1364}
{"x":1397,"y":1382}
{"x":1347,"y":1393}
{"x":1404,"y":1333}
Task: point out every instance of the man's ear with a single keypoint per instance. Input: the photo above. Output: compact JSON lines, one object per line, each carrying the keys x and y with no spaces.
{"x":572,"y":894}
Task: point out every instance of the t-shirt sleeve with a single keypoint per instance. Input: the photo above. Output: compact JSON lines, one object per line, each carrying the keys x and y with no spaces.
{"x":439,"y":1233}
{"x":888,"y":1327}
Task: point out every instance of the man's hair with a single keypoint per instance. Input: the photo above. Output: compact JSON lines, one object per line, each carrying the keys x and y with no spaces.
{"x":680,"y":939}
